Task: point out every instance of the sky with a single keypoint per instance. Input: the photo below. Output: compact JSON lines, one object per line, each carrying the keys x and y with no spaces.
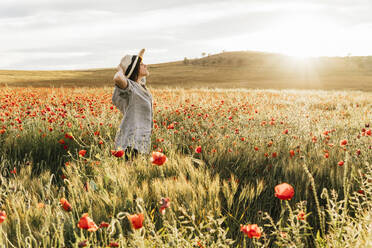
{"x":88,"y":34}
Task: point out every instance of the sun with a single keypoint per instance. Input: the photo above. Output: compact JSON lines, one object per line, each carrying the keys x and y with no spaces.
{"x":303,"y":36}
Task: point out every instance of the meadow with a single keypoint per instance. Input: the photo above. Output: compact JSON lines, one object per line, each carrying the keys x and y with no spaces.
{"x":226,"y":150}
{"x":241,"y":69}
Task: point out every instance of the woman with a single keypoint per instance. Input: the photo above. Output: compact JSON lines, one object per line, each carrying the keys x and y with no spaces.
{"x":134,"y":101}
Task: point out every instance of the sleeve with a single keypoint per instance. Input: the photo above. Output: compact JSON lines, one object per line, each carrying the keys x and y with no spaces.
{"x":120,"y":97}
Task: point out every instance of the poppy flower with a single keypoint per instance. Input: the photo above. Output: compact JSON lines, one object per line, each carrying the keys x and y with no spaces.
{"x":361,"y":192}
{"x":65,"y":204}
{"x":114,"y":244}
{"x":341,"y":163}
{"x":82,"y":153}
{"x":343,"y":142}
{"x":198,"y":149}
{"x":158,"y":158}
{"x":284,"y":191}
{"x":291,"y":153}
{"x":117,"y":154}
{"x":87,"y":223}
{"x":358,"y":152}
{"x":164,"y":204}
{"x":2,"y":216}
{"x":68,"y":136}
{"x":104,"y":224}
{"x":252,"y":231}
{"x":136,"y":220}
{"x":62,"y":141}
{"x":301,"y":215}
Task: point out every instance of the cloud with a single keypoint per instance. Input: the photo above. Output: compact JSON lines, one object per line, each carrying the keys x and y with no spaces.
{"x":40,"y":34}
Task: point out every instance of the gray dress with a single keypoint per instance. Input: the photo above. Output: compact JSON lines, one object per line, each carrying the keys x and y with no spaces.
{"x":135,"y":103}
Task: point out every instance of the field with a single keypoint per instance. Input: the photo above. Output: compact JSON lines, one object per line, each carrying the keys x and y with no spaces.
{"x":226,"y":149}
{"x":249,"y":70}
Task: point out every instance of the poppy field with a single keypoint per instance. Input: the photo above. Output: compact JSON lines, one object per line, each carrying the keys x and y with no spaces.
{"x":228,"y":168}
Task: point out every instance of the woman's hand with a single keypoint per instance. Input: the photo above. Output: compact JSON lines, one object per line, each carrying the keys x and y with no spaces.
{"x":120,"y":79}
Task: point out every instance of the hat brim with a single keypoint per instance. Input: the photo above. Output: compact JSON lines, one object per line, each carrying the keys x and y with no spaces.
{"x":141,"y":52}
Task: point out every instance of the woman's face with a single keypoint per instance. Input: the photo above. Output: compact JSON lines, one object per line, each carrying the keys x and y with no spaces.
{"x":143,"y":72}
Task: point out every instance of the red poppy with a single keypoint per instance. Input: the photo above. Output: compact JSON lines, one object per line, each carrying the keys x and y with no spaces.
{"x":343,"y":142}
{"x":284,"y":191}
{"x":341,"y":163}
{"x":158,"y":158}
{"x":114,"y":244}
{"x":358,"y":152}
{"x":136,"y":220}
{"x":2,"y":216}
{"x":87,"y":223}
{"x":61,"y":141}
{"x":104,"y":224}
{"x":291,"y":153}
{"x":68,"y":136}
{"x":65,"y":204}
{"x":82,"y":153}
{"x":199,"y":244}
{"x":285,"y":131}
{"x":164,"y":204}
{"x":301,"y":215}
{"x":274,"y":155}
{"x":252,"y":231}
{"x":198,"y":149}
{"x":117,"y":154}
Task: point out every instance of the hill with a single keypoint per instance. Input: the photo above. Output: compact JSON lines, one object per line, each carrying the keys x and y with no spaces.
{"x":242,"y":69}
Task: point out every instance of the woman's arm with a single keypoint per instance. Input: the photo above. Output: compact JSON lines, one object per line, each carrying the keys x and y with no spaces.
{"x":119,"y":79}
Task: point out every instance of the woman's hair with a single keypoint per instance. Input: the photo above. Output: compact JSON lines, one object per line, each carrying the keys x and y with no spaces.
{"x":135,"y":72}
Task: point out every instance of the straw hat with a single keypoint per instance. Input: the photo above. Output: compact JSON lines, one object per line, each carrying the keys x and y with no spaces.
{"x":126,"y":62}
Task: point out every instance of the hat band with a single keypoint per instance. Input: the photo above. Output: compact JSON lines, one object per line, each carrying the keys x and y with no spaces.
{"x":133,"y":66}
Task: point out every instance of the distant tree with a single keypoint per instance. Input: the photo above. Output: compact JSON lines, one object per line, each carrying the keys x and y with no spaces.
{"x":203,"y":54}
{"x":186,"y":61}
